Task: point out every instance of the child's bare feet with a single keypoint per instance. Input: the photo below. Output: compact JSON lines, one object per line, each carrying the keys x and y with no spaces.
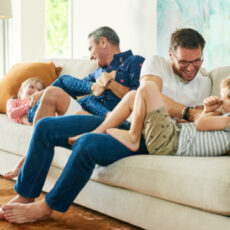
{"x":128,"y":140}
{"x":17,"y":199}
{"x":81,"y":112}
{"x":12,"y":174}
{"x":26,"y":213}
{"x":72,"y":140}
{"x":15,"y":171}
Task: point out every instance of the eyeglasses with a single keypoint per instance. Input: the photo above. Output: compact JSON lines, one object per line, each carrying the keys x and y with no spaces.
{"x":183,"y":63}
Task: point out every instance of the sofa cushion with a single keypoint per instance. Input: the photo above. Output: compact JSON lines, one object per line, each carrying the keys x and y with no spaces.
{"x":79,"y":68}
{"x":15,"y":138}
{"x":10,"y":84}
{"x":201,"y":182}
{"x":217,"y":76}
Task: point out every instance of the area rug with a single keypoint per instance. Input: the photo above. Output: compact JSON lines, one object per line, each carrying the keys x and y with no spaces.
{"x":77,"y":216}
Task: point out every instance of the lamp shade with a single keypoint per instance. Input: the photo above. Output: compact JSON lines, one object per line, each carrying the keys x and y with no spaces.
{"x":5,"y":9}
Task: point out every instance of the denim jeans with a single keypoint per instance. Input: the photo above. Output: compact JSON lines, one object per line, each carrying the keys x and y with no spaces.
{"x":76,"y":87}
{"x":89,"y":150}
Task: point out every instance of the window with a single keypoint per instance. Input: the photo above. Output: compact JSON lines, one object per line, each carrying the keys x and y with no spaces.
{"x":57,"y":28}
{"x":4,"y":47}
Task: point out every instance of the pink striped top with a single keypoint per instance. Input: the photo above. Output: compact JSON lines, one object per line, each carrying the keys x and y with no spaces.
{"x":17,"y":108}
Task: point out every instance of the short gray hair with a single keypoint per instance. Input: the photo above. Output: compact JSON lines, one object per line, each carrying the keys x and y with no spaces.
{"x":107,"y":32}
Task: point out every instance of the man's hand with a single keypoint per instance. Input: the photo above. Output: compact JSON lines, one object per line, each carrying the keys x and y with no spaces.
{"x":35,"y":97}
{"x":96,"y":89}
{"x":211,"y":104}
{"x":105,"y":77}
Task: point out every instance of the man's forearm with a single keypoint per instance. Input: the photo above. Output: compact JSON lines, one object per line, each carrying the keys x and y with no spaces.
{"x":118,"y":89}
{"x":176,"y":109}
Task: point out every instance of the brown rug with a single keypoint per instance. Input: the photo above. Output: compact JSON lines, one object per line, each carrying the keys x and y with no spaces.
{"x":77,"y":216}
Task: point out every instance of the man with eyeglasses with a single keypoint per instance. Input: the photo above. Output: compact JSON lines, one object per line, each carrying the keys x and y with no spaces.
{"x":184,"y":87}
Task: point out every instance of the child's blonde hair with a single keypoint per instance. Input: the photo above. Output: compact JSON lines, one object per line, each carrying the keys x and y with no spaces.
{"x":225,"y":85}
{"x":28,"y":81}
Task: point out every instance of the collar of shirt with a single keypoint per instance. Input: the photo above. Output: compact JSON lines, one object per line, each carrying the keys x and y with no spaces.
{"x":118,"y":59}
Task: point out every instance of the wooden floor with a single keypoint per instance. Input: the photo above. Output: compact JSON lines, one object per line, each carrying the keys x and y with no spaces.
{"x":77,"y":217}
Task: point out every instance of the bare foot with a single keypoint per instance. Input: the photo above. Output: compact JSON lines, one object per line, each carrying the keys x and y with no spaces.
{"x":17,"y":199}
{"x":124,"y":136}
{"x":12,"y":174}
{"x":15,"y":171}
{"x":82,"y":112}
{"x":72,"y":140}
{"x":26,"y":213}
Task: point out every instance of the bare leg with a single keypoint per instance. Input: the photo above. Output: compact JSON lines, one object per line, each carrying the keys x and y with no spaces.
{"x":120,"y":113}
{"x":26,"y":213}
{"x":148,"y":98}
{"x":82,"y":112}
{"x":17,"y":199}
{"x":16,"y":170}
{"x":54,"y":100}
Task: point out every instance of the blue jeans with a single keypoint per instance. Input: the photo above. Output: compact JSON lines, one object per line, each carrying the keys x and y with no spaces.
{"x":89,"y":150}
{"x":76,"y":87}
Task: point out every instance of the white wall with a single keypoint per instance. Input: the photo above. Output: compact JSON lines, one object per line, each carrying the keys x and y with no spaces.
{"x":133,"y":20}
{"x":27,"y":30}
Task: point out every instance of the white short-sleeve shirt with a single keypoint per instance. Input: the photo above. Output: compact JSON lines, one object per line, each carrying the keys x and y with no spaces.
{"x":189,"y":93}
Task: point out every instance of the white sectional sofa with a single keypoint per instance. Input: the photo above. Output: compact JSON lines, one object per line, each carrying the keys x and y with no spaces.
{"x":152,"y":192}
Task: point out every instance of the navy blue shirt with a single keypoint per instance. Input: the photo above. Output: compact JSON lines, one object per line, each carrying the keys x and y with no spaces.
{"x":128,"y":67}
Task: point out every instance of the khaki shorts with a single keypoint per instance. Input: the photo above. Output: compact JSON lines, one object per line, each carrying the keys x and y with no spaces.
{"x":160,"y":132}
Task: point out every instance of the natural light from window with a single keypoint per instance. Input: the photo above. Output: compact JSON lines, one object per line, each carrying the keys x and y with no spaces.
{"x":57,"y":28}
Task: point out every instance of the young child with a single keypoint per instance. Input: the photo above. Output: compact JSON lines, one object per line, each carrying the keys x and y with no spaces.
{"x":208,"y":136}
{"x":21,"y":109}
{"x":17,"y":109}
{"x":78,"y":87}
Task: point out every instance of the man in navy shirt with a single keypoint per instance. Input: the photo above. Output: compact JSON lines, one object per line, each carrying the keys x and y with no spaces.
{"x":118,"y":73}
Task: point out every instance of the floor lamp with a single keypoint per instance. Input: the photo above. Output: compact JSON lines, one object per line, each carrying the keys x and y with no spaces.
{"x":5,"y":13}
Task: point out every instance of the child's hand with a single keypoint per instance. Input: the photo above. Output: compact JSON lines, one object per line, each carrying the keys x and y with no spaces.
{"x":211,"y":104}
{"x":35,"y":97}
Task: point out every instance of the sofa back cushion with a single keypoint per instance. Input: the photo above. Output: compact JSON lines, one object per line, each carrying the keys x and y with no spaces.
{"x":79,"y":68}
{"x":217,"y":75}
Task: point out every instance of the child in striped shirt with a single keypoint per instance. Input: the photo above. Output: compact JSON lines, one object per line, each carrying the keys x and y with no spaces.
{"x":208,"y":136}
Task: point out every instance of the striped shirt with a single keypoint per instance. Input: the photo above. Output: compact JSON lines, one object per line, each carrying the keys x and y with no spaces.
{"x":193,"y":142}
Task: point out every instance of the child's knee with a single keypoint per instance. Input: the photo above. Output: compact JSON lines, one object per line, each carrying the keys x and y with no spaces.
{"x":51,"y":94}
